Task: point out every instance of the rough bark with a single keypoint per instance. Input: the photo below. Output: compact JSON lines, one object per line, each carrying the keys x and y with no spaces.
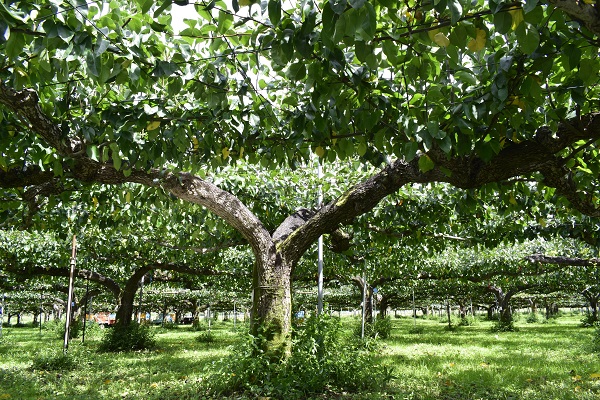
{"x":587,"y":14}
{"x":271,"y":316}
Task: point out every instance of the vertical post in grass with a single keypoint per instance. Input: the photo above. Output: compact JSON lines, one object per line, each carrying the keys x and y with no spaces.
{"x":234,"y":315}
{"x":139,"y":316}
{"x":2,"y":312}
{"x":41,"y":310}
{"x":374,"y":303}
{"x":448,"y":313}
{"x":320,"y":245}
{"x":70,"y":297}
{"x":414,"y":309}
{"x":364,"y":301}
{"x":208,"y":314}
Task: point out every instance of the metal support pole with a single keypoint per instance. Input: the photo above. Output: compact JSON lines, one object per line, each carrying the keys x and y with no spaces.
{"x":375,"y":304}
{"x":414,"y":309}
{"x":41,"y":310}
{"x":2,"y":312}
{"x":364,"y":302}
{"x":208,"y":313}
{"x":139,"y":316}
{"x":70,"y":296}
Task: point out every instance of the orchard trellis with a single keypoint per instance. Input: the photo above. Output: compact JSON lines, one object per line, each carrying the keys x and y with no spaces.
{"x":111,"y":97}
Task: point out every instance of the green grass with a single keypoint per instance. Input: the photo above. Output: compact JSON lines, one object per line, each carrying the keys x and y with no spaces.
{"x":540,"y":361}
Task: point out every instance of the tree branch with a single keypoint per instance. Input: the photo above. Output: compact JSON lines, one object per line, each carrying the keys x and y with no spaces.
{"x":586,"y":13}
{"x":566,"y":261}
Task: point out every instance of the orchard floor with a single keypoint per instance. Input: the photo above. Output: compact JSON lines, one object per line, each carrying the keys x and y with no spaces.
{"x":541,"y":361}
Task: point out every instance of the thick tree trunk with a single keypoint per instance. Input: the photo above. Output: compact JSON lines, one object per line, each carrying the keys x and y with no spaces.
{"x":533,"y":305}
{"x":383,"y":306}
{"x":490,"y":312}
{"x":506,"y":314}
{"x":125,"y":310}
{"x":271,"y":321}
{"x":594,"y":308}
{"x":592,"y":299}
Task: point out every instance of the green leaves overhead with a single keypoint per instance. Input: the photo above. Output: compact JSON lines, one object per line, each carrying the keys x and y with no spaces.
{"x":161,"y":84}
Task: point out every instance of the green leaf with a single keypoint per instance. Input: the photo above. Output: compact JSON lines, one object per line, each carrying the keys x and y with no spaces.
{"x":330,"y":19}
{"x":368,"y":23}
{"x":435,"y":131}
{"x":296,"y":71}
{"x":425,"y":163}
{"x":338,"y":6}
{"x":458,"y":36}
{"x":93,"y":64}
{"x":527,"y":37}
{"x":92,"y":152}
{"x":503,"y":22}
{"x":529,"y":5}
{"x":101,"y":46}
{"x":274,"y":11}
{"x":356,"y":3}
{"x":8,"y":15}
{"x":14,"y":45}
{"x":162,"y":8}
{"x":146,"y":5}
{"x":571,"y":56}
{"x":455,"y":11}
{"x":445,"y":144}
{"x":362,"y":148}
{"x":410,"y":150}
{"x":363,"y":51}
{"x":225,"y":22}
{"x":116,"y":160}
{"x":588,"y":71}
{"x":58,"y":169}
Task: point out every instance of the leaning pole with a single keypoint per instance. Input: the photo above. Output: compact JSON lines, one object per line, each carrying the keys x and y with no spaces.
{"x":70,"y":297}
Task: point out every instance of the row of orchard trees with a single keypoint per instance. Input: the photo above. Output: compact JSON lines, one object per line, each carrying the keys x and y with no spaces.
{"x":497,"y":99}
{"x":438,"y":256}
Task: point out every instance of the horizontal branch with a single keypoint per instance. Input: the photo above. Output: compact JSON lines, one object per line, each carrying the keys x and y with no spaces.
{"x":565,"y":261}
{"x":581,"y":11}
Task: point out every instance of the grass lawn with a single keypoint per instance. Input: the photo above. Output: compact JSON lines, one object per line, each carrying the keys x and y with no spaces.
{"x":540,"y":361}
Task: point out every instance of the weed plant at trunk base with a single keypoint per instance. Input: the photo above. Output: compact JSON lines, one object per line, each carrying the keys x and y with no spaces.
{"x":322,"y":361}
{"x":53,"y":362}
{"x":589,"y":319}
{"x":379,"y":328}
{"x":58,"y":327}
{"x":126,"y":338}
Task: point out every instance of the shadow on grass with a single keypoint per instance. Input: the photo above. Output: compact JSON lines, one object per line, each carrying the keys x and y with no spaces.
{"x":537,"y":362}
